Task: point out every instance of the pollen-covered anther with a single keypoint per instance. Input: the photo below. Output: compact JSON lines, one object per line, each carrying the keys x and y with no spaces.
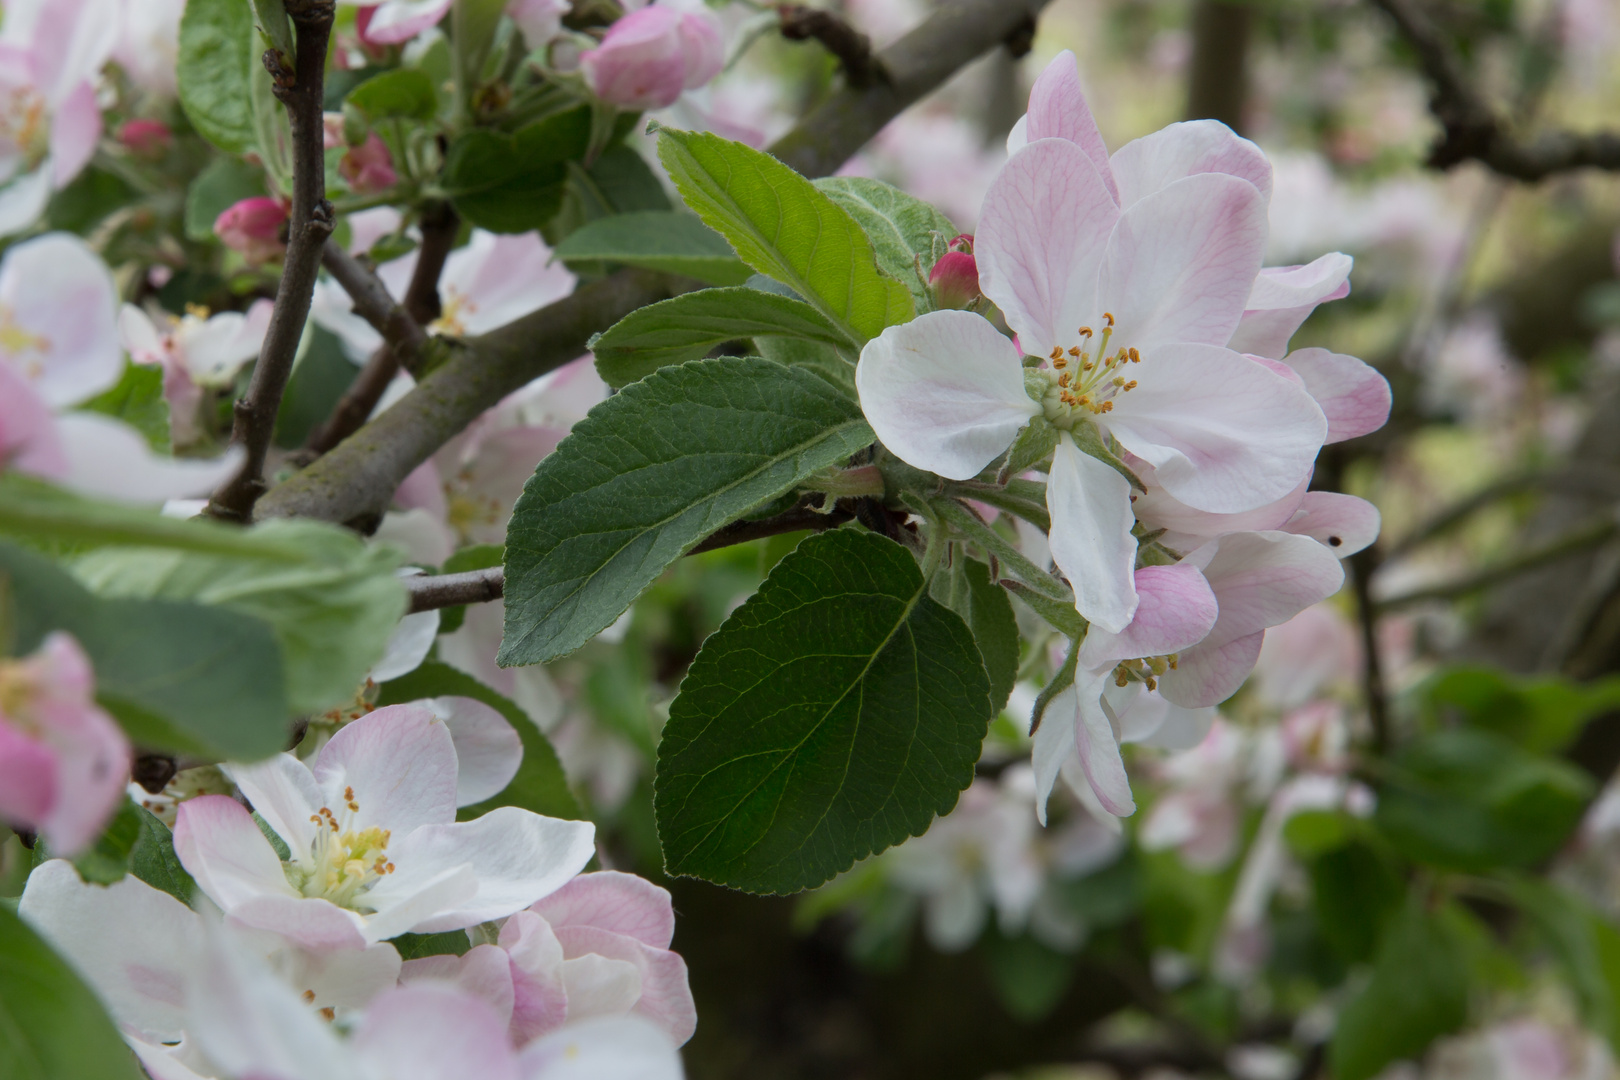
{"x":1108,"y":317}
{"x":1063,"y":380}
{"x":1085,"y":331}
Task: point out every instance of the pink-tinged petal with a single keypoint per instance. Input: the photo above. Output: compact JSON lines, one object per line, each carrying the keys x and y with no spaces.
{"x":29,"y":441}
{"x":517,"y":856}
{"x":1315,"y":649}
{"x":286,"y":795}
{"x":539,"y":20}
{"x":703,"y":47}
{"x":1283,"y":297}
{"x":540,"y":1002}
{"x":640,"y":63}
{"x":342,"y":979}
{"x":1058,"y":110}
{"x":1054,"y":739}
{"x":1222,"y":433}
{"x":221,"y":847}
{"x":1098,"y":748}
{"x":423,"y":489}
{"x":615,"y":901}
{"x":1186,"y":528}
{"x":410,"y":642}
{"x":396,"y":21}
{"x":217,"y":349}
{"x":69,"y":39}
{"x":666,"y":997}
{"x":434,"y":1032}
{"x":107,"y":457}
{"x":495,"y":279}
{"x":1194,"y":147}
{"x":401,"y":765}
{"x":1091,"y":537}
{"x":1209,"y":674}
{"x":23,"y":199}
{"x":599,"y":986}
{"x":1354,"y":397}
{"x":944,"y":392}
{"x":92,"y":771}
{"x":483,"y":971}
{"x":1042,"y":233}
{"x":1175,"y":610}
{"x":604,"y":1048}
{"x":28,"y":787}
{"x":75,"y":130}
{"x":488,"y":750}
{"x":1181,"y":261}
{"x":131,"y":942}
{"x":65,"y":308}
{"x":1344,"y":523}
{"x":313,"y":924}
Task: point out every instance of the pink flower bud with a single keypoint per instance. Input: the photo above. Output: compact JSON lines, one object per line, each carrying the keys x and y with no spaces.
{"x":331,"y":130}
{"x":63,"y":761}
{"x":253,"y":227}
{"x":368,"y":167}
{"x":955,"y":280}
{"x":146,"y":138}
{"x":650,"y":56}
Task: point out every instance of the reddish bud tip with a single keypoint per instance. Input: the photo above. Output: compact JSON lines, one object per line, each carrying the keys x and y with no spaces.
{"x":955,"y":280}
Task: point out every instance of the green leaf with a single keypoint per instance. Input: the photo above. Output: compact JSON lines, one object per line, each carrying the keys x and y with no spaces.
{"x":333,"y":612}
{"x":178,"y":676}
{"x":539,"y":785}
{"x":88,"y":200}
{"x":153,"y":859}
{"x":514,"y":183}
{"x":218,"y":53}
{"x":138,"y":401}
{"x":1418,"y":992}
{"x":1029,"y":978}
{"x":667,"y":240}
{"x":1355,"y":892}
{"x":1585,"y":945}
{"x":403,"y":93}
{"x":416,"y":946}
{"x":108,"y":859}
{"x":965,"y":587}
{"x":649,"y":473}
{"x":901,"y":227}
{"x":225,"y":182}
{"x":817,"y":356}
{"x":51,"y":1025}
{"x":1543,"y":714}
{"x":783,"y":227}
{"x":1468,"y":800}
{"x":831,"y":716}
{"x":686,"y":327}
{"x":323,"y":373}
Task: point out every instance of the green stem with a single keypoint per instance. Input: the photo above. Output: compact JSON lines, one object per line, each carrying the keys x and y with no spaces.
{"x":969,"y":525}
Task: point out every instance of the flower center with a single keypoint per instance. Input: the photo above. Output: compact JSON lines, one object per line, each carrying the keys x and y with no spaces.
{"x":22,"y":345}
{"x":19,"y":688}
{"x":23,"y":127}
{"x":453,"y":314}
{"x":1147,"y":670}
{"x":1085,"y":378}
{"x":344,"y":862}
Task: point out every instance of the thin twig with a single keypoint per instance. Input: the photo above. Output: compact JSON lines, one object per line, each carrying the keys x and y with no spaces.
{"x":300,"y":90}
{"x":357,"y":402}
{"x":1573,"y":479}
{"x":852,"y":48}
{"x":439,"y":228}
{"x":1473,"y":129}
{"x":1362,"y":566}
{"x":372,"y":300}
{"x":1591,"y":535}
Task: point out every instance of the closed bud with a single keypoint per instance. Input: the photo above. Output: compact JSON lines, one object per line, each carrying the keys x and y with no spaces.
{"x":253,"y":227}
{"x":955,"y":280}
{"x":146,"y":138}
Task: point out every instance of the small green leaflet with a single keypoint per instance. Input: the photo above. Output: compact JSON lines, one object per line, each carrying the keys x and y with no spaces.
{"x":51,"y":1025}
{"x":138,"y":401}
{"x":219,"y":49}
{"x":833,"y":715}
{"x":514,"y":183}
{"x":782,"y":226}
{"x":403,"y":93}
{"x":649,"y":473}
{"x":687,"y":326}
{"x":666,"y":240}
{"x":901,"y":227}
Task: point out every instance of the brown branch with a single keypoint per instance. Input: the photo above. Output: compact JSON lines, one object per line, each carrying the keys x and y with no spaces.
{"x":1473,"y":129}
{"x":357,"y":402}
{"x":300,"y":90}
{"x":356,"y":480}
{"x":373,"y":302}
{"x":439,"y":228}
{"x":1591,"y":535}
{"x":852,"y":48}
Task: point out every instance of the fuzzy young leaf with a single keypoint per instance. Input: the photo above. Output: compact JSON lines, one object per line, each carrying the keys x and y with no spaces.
{"x":687,"y":326}
{"x":833,"y":715}
{"x":901,"y":227}
{"x":219,"y":50}
{"x":649,"y":473}
{"x":51,"y":1025}
{"x":664,"y":240}
{"x":786,"y":229}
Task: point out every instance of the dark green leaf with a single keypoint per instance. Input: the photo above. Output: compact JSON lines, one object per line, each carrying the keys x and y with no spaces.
{"x":416,"y":946}
{"x":902,"y":229}
{"x":834,"y":714}
{"x":225,"y":182}
{"x":1028,"y":977}
{"x":219,"y":49}
{"x":1355,"y":892}
{"x":817,"y":356}
{"x":673,"y":242}
{"x":154,"y":861}
{"x":88,"y":200}
{"x":323,"y":373}
{"x":51,"y":1025}
{"x":966,"y":588}
{"x":138,"y":401}
{"x":178,"y":676}
{"x":1418,"y":992}
{"x":514,"y":183}
{"x":108,"y":859}
{"x":649,"y":473}
{"x":686,"y":327}
{"x":1542,"y":714}
{"x":786,"y":229}
{"x":539,"y":785}
{"x":1468,"y":800}
{"x":403,"y":93}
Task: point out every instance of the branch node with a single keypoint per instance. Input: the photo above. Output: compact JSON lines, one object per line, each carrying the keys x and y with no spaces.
{"x":852,"y":48}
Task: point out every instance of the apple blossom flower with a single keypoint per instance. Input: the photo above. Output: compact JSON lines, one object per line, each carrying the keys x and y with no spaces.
{"x":393,"y":22}
{"x":650,"y":56}
{"x":253,"y":228}
{"x":368,"y":167}
{"x":539,"y":20}
{"x":375,"y":847}
{"x":194,"y":351}
{"x":29,"y":441}
{"x":1129,"y":287}
{"x":146,"y":138}
{"x":51,"y":52}
{"x":1314,"y":651}
{"x":1200,"y":813}
{"x":148,"y":47}
{"x":63,"y":761}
